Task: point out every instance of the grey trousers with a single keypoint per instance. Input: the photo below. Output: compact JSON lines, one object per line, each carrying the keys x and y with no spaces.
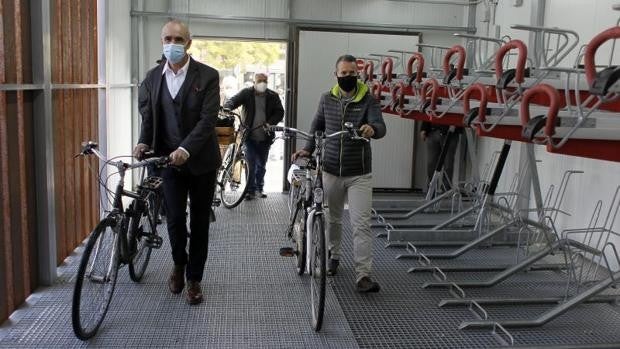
{"x":358,"y":189}
{"x":434,"y":142}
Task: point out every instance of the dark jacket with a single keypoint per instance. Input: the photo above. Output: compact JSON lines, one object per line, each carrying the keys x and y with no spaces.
{"x":274,"y":112}
{"x":200,"y":102}
{"x":344,"y":156}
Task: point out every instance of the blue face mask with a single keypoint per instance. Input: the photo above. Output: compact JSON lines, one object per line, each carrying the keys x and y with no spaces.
{"x":174,"y":52}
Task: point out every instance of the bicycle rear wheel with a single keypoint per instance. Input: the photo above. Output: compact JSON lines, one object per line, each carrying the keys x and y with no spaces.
{"x":96,"y":279}
{"x":235,"y":183}
{"x":141,"y":232}
{"x":318,"y":272}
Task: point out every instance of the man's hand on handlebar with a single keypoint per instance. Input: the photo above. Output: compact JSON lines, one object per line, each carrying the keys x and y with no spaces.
{"x":366,"y":131}
{"x":299,"y":153}
{"x":139,"y":150}
{"x":178,"y":157}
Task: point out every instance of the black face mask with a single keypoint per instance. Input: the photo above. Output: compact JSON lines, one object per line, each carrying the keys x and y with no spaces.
{"x":347,"y":83}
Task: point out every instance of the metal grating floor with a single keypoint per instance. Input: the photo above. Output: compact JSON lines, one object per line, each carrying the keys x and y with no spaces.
{"x":253,"y":298}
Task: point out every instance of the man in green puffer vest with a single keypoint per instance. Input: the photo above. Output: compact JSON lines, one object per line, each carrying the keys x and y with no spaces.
{"x":347,"y":166}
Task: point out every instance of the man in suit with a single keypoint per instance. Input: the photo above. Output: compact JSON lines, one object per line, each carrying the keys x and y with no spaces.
{"x":260,"y":105}
{"x":179,"y":102}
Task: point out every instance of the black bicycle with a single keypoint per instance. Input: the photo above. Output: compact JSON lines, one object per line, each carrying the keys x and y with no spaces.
{"x":232,"y":177}
{"x":307,"y":222}
{"x":124,"y":236}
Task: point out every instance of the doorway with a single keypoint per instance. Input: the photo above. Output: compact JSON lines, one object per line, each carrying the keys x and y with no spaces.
{"x":237,"y":61}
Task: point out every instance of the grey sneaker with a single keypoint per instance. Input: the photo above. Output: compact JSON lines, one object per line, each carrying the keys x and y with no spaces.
{"x":365,"y":285}
{"x":332,"y":266}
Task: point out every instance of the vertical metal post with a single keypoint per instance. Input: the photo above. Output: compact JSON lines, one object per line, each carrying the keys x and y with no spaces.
{"x":473,"y":158}
{"x":535,"y":181}
{"x":102,"y":93}
{"x":471,"y":23}
{"x":537,"y":18}
{"x":531,"y":180}
{"x":44,"y":141}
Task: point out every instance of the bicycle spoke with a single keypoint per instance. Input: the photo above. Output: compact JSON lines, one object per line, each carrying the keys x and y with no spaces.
{"x":234,"y":183}
{"x":96,"y":280}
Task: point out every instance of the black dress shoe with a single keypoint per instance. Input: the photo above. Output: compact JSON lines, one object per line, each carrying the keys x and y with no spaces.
{"x":194,"y":293}
{"x":176,"y":281}
{"x":365,"y":285}
{"x":332,"y":266}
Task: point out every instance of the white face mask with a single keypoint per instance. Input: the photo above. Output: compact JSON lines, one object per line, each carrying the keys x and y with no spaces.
{"x":260,"y":87}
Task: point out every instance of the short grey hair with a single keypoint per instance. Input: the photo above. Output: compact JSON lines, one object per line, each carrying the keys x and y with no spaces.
{"x":180,"y":23}
{"x":345,"y":58}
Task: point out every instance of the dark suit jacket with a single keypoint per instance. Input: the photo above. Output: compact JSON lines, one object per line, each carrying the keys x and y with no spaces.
{"x":274,"y":112}
{"x":200,"y":103}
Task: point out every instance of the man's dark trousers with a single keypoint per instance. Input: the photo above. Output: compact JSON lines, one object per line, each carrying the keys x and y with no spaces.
{"x":178,"y":184}
{"x":257,"y":153}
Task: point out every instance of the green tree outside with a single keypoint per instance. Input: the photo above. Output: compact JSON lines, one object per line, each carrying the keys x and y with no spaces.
{"x":225,"y":55}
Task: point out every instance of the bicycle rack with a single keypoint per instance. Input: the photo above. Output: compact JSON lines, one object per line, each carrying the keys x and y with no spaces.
{"x":589,"y":271}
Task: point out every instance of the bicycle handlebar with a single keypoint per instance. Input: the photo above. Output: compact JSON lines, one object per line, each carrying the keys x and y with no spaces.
{"x":306,"y":135}
{"x":228,"y":113}
{"x":90,"y":147}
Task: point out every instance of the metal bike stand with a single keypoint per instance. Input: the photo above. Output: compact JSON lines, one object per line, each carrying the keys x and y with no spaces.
{"x":543,"y":232}
{"x":586,"y":260}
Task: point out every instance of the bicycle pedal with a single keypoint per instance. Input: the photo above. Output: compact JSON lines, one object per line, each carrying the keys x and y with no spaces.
{"x":154,"y":241}
{"x":288,"y":252}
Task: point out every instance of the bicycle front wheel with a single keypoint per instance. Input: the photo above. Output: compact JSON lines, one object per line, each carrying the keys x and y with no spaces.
{"x":96,"y":279}
{"x":235,"y":183}
{"x":318,"y":271}
{"x":140,"y":232}
{"x":299,"y":237}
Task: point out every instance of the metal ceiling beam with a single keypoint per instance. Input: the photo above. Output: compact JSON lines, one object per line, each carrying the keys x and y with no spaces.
{"x":306,"y":22}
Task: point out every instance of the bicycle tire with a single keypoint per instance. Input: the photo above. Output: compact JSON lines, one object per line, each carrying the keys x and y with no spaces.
{"x":300,"y":238}
{"x":139,"y":250}
{"x":318,"y":272}
{"x":234,"y":185}
{"x":104,"y":239}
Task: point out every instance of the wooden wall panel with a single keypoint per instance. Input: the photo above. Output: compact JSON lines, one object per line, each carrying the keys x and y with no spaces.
{"x":74,"y":61}
{"x":77,"y":204}
{"x":18,"y":242}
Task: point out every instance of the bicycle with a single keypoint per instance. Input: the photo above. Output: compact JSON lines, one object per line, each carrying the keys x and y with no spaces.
{"x":233,"y":174}
{"x":124,"y":236}
{"x":306,"y":222}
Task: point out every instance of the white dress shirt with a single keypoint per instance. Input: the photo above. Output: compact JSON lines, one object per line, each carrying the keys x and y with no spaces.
{"x":175,"y":81}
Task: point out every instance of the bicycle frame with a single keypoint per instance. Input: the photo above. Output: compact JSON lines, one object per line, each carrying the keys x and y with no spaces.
{"x":119,"y":193}
{"x":236,"y":148}
{"x":316,"y":192}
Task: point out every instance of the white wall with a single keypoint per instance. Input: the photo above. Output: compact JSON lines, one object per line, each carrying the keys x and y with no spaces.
{"x":392,"y":160}
{"x":600,"y":179}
